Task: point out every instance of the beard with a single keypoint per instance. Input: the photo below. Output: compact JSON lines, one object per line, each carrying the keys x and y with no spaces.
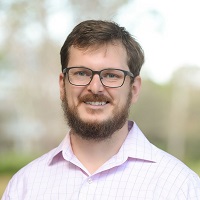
{"x":96,"y":131}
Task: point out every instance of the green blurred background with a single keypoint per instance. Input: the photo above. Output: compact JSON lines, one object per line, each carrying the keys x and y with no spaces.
{"x":31,"y":34}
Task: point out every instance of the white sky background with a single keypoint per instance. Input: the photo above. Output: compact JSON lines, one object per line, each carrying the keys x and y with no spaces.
{"x":169,"y":32}
{"x":170,"y":37}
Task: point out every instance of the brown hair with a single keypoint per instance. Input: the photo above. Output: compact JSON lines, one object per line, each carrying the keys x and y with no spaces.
{"x":92,"y":33}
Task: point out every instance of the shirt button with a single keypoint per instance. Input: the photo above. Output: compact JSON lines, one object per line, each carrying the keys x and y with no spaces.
{"x":89,"y":180}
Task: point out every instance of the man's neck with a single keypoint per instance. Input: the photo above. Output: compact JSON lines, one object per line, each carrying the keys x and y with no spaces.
{"x":93,"y":154}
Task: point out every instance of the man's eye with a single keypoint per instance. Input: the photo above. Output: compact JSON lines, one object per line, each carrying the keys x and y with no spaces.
{"x":111,"y":76}
{"x":81,"y":73}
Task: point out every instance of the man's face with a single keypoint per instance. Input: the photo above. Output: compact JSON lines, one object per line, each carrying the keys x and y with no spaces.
{"x":96,"y":109}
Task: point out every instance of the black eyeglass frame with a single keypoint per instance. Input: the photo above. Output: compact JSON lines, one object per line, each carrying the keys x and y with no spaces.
{"x":126,"y":73}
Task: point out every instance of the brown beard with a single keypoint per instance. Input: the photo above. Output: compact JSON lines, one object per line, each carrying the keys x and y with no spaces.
{"x":96,"y":131}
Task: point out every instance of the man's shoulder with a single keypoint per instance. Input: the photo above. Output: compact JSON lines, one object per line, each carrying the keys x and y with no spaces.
{"x":163,"y":162}
{"x":30,"y":176}
{"x":36,"y":165}
{"x":170,"y":166}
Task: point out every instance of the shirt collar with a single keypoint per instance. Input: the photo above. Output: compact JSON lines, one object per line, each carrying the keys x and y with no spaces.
{"x":136,"y":145}
{"x":64,"y":149}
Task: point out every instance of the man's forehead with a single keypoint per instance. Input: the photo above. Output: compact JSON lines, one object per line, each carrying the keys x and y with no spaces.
{"x":97,"y":47}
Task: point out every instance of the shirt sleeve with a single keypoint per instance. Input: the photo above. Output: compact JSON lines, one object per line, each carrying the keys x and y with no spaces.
{"x":12,"y":191}
{"x":190,"y":189}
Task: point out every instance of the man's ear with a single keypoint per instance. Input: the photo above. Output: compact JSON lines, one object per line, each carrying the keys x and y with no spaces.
{"x":136,"y":87}
{"x":62,"y":86}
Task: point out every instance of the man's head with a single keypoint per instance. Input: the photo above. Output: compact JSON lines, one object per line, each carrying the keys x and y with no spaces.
{"x":97,"y":86}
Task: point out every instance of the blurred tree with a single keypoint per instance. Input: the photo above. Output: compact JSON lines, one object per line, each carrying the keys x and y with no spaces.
{"x":185,"y":113}
{"x":169,"y":114}
{"x":152,"y":110}
{"x":178,"y":116}
{"x":29,"y":90}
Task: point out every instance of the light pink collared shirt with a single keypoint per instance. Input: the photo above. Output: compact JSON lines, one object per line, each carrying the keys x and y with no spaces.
{"x":138,"y":171}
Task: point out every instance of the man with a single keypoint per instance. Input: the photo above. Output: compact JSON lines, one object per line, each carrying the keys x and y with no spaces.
{"x":104,"y":156}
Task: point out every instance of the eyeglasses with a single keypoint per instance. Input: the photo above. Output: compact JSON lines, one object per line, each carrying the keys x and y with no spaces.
{"x":82,"y":76}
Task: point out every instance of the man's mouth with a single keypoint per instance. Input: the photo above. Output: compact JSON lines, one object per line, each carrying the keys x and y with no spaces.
{"x":96,"y":103}
{"x":95,"y":100}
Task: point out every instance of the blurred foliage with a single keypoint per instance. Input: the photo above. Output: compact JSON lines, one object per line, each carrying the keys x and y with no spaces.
{"x":169,"y":114}
{"x":13,"y":161}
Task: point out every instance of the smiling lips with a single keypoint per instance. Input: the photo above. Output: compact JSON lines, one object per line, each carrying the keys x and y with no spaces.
{"x":95,"y":99}
{"x":96,"y":103}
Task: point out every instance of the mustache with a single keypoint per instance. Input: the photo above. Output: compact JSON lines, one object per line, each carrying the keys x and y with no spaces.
{"x":95,"y":98}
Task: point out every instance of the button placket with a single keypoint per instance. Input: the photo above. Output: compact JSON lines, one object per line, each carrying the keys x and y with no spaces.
{"x":89,"y":180}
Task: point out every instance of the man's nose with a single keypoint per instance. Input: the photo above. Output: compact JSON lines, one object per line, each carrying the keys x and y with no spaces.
{"x":95,"y":85}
